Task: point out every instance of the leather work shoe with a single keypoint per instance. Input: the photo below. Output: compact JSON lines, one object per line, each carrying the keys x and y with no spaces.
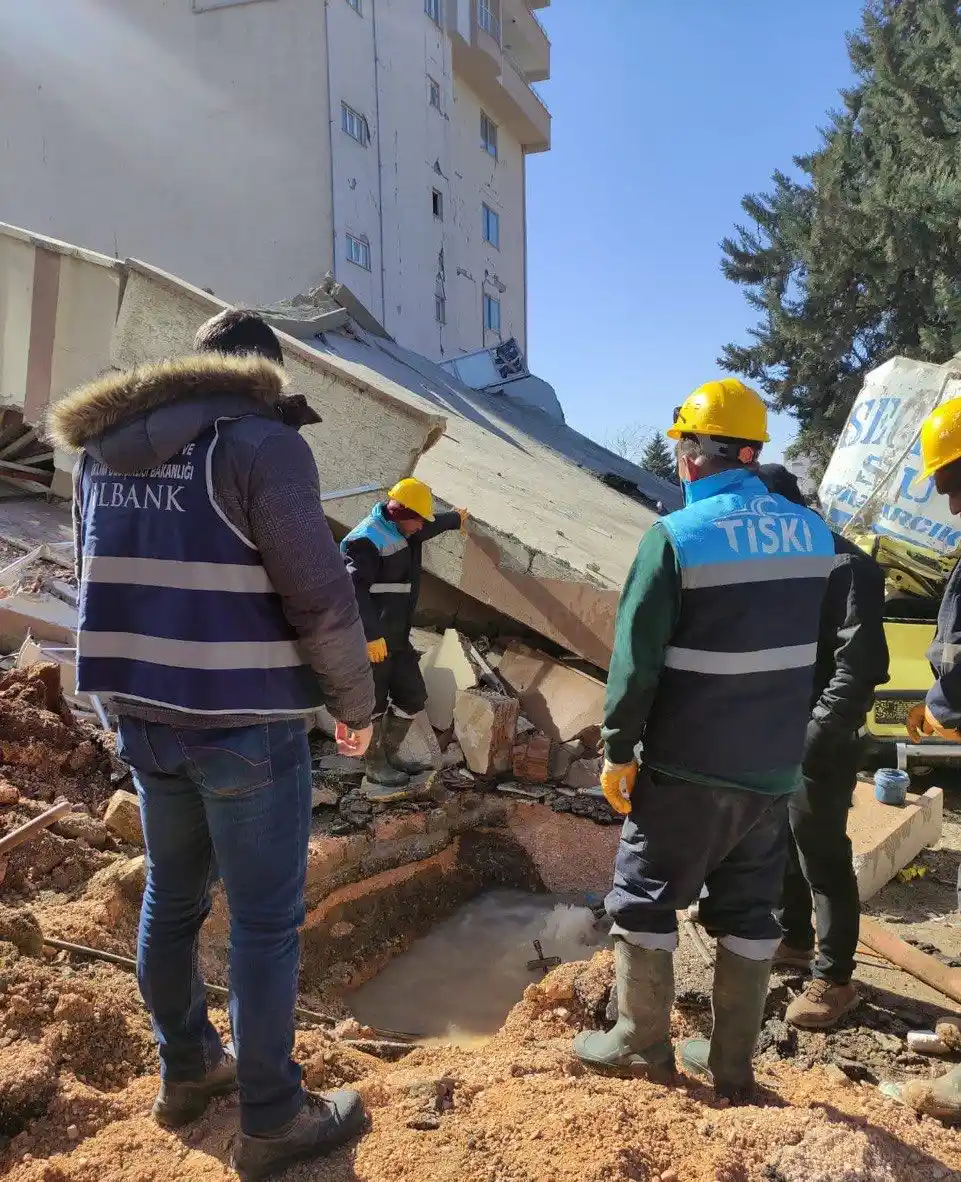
{"x":322,"y":1125}
{"x":822,"y":1005}
{"x":179,"y":1104}
{"x":787,"y":957}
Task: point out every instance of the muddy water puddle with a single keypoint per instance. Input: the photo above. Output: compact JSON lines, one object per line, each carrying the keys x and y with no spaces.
{"x":459,"y":982}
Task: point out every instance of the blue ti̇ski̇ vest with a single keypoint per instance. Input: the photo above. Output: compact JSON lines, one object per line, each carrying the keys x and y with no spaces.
{"x":176,"y":608}
{"x":735,"y":694}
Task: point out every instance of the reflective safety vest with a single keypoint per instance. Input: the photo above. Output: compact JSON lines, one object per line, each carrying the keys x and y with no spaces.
{"x":735,"y":694}
{"x":176,"y":608}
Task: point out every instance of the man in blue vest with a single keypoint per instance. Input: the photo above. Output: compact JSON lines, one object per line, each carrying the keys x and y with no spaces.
{"x":215,"y":617}
{"x":712,"y":667}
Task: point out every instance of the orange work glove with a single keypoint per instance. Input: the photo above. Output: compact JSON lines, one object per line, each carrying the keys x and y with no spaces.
{"x":463,"y":514}
{"x":377,"y":650}
{"x":617,"y":784}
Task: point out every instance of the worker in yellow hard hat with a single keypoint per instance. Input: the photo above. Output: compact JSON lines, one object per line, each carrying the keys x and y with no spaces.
{"x":383,"y":556}
{"x":712,"y":666}
{"x":939,"y":715}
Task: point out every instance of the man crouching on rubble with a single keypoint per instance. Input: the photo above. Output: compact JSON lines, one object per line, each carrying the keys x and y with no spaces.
{"x":712,"y":666}
{"x":215,"y":615}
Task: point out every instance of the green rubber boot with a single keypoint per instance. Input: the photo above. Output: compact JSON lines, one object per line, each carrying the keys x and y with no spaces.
{"x":940,"y":1098}
{"x":740,"y":991}
{"x":640,"y":1043}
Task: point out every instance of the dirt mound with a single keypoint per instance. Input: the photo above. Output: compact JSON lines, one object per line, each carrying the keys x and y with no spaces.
{"x":517,"y":1109}
{"x":45,"y":752}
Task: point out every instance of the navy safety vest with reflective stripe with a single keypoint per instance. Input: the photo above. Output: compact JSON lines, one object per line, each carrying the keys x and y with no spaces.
{"x":176,"y":608}
{"x":735,"y":694}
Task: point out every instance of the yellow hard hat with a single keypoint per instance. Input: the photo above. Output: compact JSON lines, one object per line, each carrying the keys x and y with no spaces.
{"x":940,"y":438}
{"x":414,"y":494}
{"x":727,"y":408}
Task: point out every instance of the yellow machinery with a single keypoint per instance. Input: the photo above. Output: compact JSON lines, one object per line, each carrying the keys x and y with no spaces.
{"x":914,"y":579}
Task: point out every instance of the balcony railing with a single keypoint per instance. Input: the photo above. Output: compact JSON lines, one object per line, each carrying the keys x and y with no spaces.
{"x":488,"y":21}
{"x":508,"y":57}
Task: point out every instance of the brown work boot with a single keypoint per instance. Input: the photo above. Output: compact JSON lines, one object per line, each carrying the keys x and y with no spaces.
{"x":822,"y":1005}
{"x":787,"y":957}
{"x":179,"y":1104}
{"x":323,"y":1124}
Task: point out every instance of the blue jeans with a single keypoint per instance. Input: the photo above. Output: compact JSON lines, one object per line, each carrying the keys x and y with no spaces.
{"x":234,"y":802}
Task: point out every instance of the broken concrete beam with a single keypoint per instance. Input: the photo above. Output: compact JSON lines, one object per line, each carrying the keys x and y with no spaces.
{"x":28,"y":613}
{"x":584,"y":774}
{"x":886,"y":838}
{"x":448,"y":671}
{"x":420,"y":747}
{"x":531,"y":757}
{"x":562,"y":756}
{"x":559,"y":700}
{"x":485,"y":725}
{"x":123,"y":817}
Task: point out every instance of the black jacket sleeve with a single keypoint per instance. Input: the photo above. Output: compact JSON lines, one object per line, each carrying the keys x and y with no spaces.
{"x":440,"y":525}
{"x":852,"y":625}
{"x":363,"y":566}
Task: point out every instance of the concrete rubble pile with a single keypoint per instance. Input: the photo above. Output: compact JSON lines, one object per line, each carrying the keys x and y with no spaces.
{"x":478,"y":733}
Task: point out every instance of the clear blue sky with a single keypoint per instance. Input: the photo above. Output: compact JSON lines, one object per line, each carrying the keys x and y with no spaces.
{"x":665,"y":113}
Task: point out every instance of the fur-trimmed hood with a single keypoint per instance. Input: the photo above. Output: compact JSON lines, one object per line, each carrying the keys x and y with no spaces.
{"x":143,"y":417}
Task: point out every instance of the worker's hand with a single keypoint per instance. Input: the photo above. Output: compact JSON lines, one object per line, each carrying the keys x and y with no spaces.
{"x":617,"y":783}
{"x":377,"y":650}
{"x":915,"y":722}
{"x":352,"y":742}
{"x":463,"y":515}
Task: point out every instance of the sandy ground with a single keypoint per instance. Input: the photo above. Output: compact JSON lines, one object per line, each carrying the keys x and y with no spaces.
{"x":78,"y":1064}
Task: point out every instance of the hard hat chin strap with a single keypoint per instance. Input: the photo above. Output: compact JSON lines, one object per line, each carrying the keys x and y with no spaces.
{"x":733,"y":451}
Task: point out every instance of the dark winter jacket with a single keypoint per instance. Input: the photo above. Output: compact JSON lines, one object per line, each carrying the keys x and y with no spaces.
{"x":852,"y":655}
{"x":264,"y":481}
{"x":385,"y":567}
{"x":944,"y":697}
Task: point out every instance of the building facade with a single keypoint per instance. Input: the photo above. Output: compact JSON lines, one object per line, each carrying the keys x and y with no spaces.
{"x":251,"y":146}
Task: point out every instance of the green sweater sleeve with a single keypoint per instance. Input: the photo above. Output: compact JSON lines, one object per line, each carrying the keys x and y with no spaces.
{"x":646,"y":619}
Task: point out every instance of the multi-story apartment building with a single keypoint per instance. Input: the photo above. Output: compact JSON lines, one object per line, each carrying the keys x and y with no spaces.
{"x":251,"y":146}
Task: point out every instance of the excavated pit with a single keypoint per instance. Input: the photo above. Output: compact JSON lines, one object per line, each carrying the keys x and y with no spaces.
{"x":459,"y":982}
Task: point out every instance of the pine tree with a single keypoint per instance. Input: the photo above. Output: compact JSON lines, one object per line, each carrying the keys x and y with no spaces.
{"x":860,"y":259}
{"x":656,"y":458}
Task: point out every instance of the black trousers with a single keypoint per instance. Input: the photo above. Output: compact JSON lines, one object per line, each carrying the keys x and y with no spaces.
{"x":821,"y":865}
{"x":681,"y":836}
{"x":398,"y":680}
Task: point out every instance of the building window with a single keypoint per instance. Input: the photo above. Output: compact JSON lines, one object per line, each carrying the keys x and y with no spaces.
{"x":356,"y":6}
{"x":355,"y":125}
{"x":432,"y":8}
{"x":440,"y":309}
{"x":358,"y":251}
{"x":492,"y":227}
{"x":433,"y":90}
{"x":488,"y":136}
{"x":492,"y":314}
{"x":437,"y":204}
{"x":487,"y":18}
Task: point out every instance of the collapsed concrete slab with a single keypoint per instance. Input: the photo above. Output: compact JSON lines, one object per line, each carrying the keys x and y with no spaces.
{"x":886,"y":838}
{"x":561,"y":701}
{"x":549,"y":543}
